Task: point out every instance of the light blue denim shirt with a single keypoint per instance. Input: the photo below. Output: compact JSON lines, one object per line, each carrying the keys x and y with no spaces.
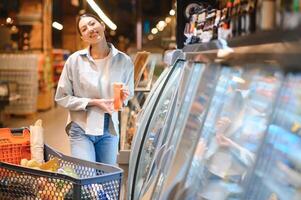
{"x":81,"y":80}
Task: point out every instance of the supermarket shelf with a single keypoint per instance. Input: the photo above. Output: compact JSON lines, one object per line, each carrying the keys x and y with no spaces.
{"x":282,"y":49}
{"x":261,"y":37}
{"x":14,"y":97}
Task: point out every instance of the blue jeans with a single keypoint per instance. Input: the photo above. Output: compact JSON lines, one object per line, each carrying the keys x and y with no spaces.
{"x":103,"y":148}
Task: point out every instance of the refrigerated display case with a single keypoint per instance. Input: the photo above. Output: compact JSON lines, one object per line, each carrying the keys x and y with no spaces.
{"x":217,"y":146}
{"x":168,"y":81}
{"x":202,"y":80}
{"x":277,"y":171}
{"x":154,"y":134}
{"x":228,"y":142}
{"x":143,"y":114}
{"x":236,"y":126}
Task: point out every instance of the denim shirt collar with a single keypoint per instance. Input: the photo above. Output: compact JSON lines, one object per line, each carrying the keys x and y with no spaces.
{"x":86,"y":51}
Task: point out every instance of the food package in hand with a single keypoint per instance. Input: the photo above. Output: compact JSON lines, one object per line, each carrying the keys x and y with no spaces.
{"x":37,"y":141}
{"x":117,"y":95}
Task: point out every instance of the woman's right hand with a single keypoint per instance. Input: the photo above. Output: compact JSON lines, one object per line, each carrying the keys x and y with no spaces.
{"x":222,"y":125}
{"x":107,"y":105}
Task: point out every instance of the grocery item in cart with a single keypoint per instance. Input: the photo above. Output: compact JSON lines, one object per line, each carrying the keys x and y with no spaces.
{"x":37,"y":141}
{"x":92,"y":181}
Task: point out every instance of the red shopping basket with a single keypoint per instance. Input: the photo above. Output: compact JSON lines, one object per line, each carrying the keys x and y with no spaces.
{"x":14,"y":145}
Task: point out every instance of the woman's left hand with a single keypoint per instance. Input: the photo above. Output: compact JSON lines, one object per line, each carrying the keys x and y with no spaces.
{"x":125,"y":92}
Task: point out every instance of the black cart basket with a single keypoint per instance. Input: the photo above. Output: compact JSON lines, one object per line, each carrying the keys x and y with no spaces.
{"x":95,"y":181}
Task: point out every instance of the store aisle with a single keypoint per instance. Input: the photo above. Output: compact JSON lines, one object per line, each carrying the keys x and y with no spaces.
{"x":54,"y":121}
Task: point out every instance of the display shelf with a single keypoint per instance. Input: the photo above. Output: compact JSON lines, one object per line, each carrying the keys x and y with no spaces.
{"x":258,"y":38}
{"x":59,"y":57}
{"x":21,"y":69}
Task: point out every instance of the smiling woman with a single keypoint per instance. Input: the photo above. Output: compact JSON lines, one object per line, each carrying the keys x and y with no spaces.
{"x":85,"y":88}
{"x":91,"y":29}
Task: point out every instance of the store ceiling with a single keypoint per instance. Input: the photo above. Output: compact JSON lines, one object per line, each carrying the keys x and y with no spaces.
{"x":122,"y":13}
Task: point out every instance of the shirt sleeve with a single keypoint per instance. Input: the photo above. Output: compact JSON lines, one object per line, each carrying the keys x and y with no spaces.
{"x":129,"y":79}
{"x":64,"y":93}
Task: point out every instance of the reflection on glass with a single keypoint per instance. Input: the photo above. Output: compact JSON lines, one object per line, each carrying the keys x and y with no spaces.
{"x":140,"y":124}
{"x":188,"y":81}
{"x":185,"y":135}
{"x":278,"y":169}
{"x":154,"y":129}
{"x":232,"y":133}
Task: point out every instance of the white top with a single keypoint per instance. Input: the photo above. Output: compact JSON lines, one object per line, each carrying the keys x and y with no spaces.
{"x":84,"y":78}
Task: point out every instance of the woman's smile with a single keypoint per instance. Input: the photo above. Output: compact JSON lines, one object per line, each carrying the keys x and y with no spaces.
{"x":94,"y":34}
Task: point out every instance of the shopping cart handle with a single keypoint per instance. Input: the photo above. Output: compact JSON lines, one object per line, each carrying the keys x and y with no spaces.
{"x":18,"y":130}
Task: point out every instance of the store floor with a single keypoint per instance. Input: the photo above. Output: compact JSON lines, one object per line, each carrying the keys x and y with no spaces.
{"x":54,"y":121}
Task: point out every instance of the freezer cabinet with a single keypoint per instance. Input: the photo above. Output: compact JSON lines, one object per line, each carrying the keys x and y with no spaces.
{"x":159,"y":109}
{"x":277,"y":173}
{"x":202,"y":81}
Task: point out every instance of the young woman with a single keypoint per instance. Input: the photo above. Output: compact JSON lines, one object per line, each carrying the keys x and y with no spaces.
{"x":85,"y":88}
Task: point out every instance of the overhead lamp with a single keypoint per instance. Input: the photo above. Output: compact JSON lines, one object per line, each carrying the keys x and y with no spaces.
{"x":14,"y":29}
{"x":101,"y":14}
{"x":172,"y":12}
{"x":150,"y":37}
{"x":162,"y":23}
{"x":160,"y":28}
{"x":9,"y":20}
{"x":167,"y":20}
{"x":57,"y":26}
{"x":112,"y":33}
{"x":238,"y":79}
{"x":154,"y":31}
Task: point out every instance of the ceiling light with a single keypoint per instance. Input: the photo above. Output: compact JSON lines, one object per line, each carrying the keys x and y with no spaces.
{"x":112,"y":33}
{"x":101,"y":14}
{"x":14,"y":29}
{"x":238,"y":79}
{"x":150,"y":37}
{"x":154,"y":31}
{"x":9,"y":20}
{"x":167,"y":20}
{"x":162,"y":23}
{"x":160,"y":28}
{"x":172,"y":12}
{"x":57,"y":25}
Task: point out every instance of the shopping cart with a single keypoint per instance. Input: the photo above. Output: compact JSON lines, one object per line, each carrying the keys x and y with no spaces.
{"x":94,"y":181}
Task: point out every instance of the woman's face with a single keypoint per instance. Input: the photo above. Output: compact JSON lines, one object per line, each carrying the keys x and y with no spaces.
{"x":92,"y":31}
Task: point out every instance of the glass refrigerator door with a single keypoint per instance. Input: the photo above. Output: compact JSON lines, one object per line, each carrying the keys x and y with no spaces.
{"x":232,"y":133}
{"x":140,"y":125}
{"x":153,"y":125}
{"x":277,"y":175}
{"x":145,"y":110}
{"x":193,"y":109}
{"x":200,"y":72}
